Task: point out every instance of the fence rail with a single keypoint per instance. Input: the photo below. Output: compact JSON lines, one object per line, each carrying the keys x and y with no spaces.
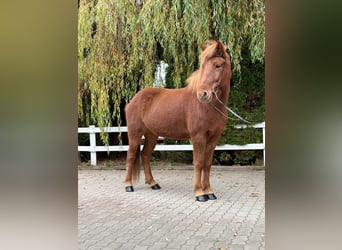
{"x":92,"y":130}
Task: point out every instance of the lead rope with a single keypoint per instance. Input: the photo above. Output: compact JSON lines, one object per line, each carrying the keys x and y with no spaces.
{"x":229,"y":109}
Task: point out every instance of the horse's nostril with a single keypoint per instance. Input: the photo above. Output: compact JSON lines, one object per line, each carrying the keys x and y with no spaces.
{"x":204,"y":96}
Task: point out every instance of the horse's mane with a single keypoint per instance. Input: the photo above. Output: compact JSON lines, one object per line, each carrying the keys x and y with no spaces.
{"x":193,"y":81}
{"x":209,"y":51}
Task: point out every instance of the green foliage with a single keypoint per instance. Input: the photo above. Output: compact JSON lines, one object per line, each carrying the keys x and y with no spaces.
{"x":226,"y":158}
{"x":120,"y":44}
{"x":241,"y":136}
{"x":247,"y":98}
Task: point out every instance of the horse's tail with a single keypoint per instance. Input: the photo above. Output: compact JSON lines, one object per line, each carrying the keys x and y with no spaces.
{"x":136,"y":166}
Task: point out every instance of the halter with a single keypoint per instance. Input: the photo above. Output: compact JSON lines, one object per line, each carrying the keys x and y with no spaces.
{"x":214,"y":90}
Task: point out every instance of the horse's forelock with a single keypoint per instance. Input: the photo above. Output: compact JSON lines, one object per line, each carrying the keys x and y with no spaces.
{"x":208,"y":52}
{"x":213,"y":48}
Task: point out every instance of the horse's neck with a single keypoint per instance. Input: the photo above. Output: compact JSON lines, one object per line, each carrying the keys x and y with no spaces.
{"x":225,"y":92}
{"x":224,"y":95}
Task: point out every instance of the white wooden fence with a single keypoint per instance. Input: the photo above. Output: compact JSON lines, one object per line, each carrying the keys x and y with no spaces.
{"x":92,"y":130}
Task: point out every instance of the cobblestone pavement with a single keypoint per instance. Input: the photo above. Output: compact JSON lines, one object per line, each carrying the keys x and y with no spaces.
{"x":170,"y":218}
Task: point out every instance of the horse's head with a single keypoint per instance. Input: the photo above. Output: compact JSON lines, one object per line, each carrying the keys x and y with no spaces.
{"x":214,"y":70}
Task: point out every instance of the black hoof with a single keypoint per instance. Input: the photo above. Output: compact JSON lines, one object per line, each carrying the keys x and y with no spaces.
{"x":129,"y":189}
{"x":211,"y":196}
{"x":156,"y":187}
{"x":202,"y":198}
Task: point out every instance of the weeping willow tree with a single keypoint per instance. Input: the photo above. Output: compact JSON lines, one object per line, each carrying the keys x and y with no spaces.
{"x":120,"y":43}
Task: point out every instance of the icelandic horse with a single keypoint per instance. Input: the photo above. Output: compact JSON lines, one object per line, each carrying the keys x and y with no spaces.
{"x":189,"y":112}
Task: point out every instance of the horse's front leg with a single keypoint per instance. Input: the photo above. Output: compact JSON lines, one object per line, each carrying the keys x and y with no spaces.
{"x":206,"y":170}
{"x":199,"y":148}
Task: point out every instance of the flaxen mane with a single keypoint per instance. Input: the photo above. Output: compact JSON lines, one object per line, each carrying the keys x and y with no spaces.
{"x":193,"y":81}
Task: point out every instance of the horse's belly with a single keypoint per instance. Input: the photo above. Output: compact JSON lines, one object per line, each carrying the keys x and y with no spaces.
{"x":168,"y":129}
{"x":167,"y":124}
{"x":175,"y":134}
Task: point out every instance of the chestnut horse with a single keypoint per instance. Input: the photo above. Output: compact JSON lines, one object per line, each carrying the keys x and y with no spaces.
{"x":189,"y":112}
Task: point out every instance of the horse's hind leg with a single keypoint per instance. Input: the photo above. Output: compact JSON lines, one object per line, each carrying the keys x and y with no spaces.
{"x":150,"y":143}
{"x":132,"y":162}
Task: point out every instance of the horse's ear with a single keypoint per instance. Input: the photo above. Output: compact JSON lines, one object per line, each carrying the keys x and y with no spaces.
{"x":206,"y":44}
{"x":220,"y":49}
{"x":203,"y":46}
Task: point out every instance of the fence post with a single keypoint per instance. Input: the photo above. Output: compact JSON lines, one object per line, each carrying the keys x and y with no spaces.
{"x":264,"y":142}
{"x":92,"y":137}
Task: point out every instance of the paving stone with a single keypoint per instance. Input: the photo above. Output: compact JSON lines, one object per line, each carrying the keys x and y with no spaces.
{"x":253,"y":244}
{"x":236,"y":247}
{"x":240,"y":240}
{"x":170,"y":218}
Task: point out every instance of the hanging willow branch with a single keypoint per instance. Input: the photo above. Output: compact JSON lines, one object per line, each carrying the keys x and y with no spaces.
{"x":121,"y":41}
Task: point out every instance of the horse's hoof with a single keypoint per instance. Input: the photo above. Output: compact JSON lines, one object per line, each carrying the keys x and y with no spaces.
{"x":202,"y":198}
{"x":156,"y":187}
{"x":129,"y":189}
{"x":211,"y":196}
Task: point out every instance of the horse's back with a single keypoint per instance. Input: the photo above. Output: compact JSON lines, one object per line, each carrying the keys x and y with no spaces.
{"x":140,"y":102}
